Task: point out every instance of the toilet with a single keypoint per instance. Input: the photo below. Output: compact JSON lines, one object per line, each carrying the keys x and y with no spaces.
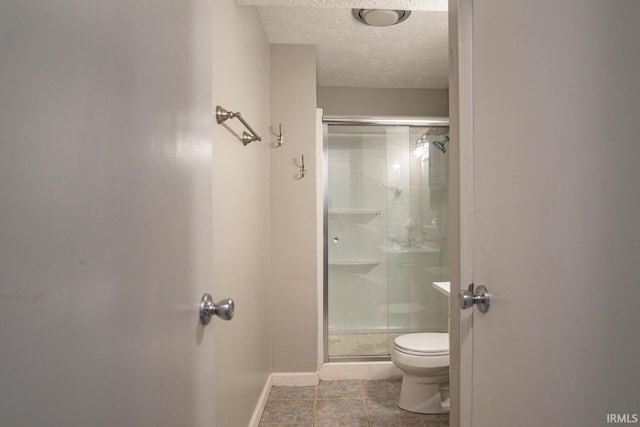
{"x":424,"y":360}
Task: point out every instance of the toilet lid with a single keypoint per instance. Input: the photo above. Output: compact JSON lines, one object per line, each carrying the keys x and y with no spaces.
{"x":431,"y":343}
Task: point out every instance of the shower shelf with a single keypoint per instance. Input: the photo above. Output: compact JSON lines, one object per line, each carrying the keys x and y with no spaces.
{"x":371,"y":280}
{"x":356,"y":212}
{"x":426,"y":247}
{"x":371,"y":229}
{"x":355,"y":262}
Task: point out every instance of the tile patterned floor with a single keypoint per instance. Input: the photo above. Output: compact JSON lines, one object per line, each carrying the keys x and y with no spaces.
{"x":349,"y":403}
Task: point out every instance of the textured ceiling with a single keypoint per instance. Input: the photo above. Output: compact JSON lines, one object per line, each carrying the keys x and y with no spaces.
{"x":412,"y":54}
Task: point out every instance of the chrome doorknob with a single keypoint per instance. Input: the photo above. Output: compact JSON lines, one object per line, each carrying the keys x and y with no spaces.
{"x":481,"y":297}
{"x":465,"y":299}
{"x":223,"y":309}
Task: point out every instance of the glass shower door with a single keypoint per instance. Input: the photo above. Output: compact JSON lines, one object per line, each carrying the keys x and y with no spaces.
{"x":385,"y":236}
{"x":356,"y":221}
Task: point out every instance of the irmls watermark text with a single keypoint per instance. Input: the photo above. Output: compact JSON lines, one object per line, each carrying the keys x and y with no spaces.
{"x":622,"y":418}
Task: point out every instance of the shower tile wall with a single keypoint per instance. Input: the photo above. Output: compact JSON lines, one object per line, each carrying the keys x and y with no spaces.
{"x":380,"y":264}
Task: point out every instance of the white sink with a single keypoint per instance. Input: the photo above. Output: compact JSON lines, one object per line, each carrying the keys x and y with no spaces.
{"x":443,"y":287}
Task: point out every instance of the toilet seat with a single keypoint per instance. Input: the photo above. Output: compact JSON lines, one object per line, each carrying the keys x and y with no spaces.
{"x":423,"y":344}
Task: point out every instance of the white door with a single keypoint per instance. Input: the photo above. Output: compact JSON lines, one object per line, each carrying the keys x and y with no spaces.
{"x":556,"y":212}
{"x":105,"y":215}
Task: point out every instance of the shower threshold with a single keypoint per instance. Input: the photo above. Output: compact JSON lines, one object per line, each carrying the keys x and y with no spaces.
{"x":350,"y":359}
{"x":357,"y":347}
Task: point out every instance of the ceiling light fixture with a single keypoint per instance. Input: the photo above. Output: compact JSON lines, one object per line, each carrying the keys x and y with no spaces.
{"x":380,"y":17}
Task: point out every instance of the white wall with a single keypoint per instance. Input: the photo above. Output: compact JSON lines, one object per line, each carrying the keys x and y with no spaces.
{"x":293,"y":304}
{"x":241,"y":249}
{"x":383,"y":102}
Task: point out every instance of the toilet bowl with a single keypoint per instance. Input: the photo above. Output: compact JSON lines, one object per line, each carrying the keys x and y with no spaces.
{"x":424,"y":360}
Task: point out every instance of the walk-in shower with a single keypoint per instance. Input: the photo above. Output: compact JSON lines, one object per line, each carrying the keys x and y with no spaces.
{"x":385,"y":232}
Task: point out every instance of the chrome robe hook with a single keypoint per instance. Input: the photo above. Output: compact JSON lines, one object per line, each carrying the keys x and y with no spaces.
{"x":303,"y":171}
{"x":279,"y":138}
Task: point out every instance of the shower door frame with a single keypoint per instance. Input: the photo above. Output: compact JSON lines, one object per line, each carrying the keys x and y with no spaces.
{"x":415,"y":121}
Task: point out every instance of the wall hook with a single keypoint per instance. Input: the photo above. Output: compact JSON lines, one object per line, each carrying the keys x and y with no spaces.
{"x":303,"y":171}
{"x":279,"y":138}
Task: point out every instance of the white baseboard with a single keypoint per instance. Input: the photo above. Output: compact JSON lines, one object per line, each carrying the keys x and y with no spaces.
{"x":262,"y":402}
{"x":294,"y":378}
{"x":359,"y":371}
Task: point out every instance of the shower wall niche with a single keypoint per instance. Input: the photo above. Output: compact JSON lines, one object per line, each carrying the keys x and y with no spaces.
{"x":385,"y":234}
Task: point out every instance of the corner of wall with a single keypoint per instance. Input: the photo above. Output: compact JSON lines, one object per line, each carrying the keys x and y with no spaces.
{"x":320,"y":185}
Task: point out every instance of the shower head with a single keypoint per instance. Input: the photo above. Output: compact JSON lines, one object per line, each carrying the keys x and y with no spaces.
{"x":395,"y":190}
{"x":441,"y":145}
{"x":422,"y":143}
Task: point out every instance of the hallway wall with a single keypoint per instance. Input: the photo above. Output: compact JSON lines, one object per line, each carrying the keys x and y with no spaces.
{"x":240,"y":211}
